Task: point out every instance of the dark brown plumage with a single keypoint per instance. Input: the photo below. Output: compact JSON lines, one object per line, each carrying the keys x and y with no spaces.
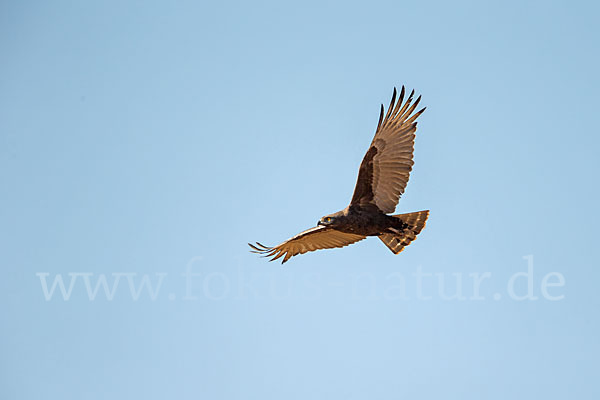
{"x":382,"y":178}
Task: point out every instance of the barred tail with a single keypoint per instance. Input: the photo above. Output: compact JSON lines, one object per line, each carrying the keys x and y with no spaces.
{"x":397,"y":241}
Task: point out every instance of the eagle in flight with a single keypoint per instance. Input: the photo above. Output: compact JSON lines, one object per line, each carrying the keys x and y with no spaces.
{"x":382,"y":178}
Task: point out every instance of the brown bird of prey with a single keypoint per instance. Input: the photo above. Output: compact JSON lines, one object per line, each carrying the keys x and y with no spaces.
{"x":382,"y":178}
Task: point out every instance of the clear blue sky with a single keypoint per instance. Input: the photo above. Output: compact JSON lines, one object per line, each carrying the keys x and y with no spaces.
{"x":150,"y":139}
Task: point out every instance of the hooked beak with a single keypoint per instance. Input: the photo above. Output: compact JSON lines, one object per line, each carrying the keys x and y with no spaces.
{"x":320,"y":223}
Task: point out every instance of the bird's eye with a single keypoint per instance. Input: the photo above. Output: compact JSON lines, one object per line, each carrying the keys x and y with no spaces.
{"x":328,"y":219}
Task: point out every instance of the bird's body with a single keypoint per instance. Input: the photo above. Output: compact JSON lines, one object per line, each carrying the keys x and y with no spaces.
{"x":361,"y":222}
{"x":382,"y":178}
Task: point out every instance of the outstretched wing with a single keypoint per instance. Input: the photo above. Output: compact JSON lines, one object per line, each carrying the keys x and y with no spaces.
{"x":319,"y":237}
{"x":386,"y":167}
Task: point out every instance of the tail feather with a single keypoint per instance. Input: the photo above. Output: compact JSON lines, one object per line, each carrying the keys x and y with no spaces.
{"x":397,"y":241}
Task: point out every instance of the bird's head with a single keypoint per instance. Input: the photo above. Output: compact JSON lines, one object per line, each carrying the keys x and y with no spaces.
{"x":331,"y":219}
